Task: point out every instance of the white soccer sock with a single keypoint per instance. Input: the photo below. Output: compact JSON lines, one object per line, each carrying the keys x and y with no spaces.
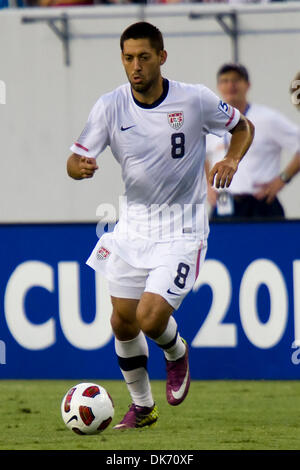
{"x":132,"y":357}
{"x":171,"y":342}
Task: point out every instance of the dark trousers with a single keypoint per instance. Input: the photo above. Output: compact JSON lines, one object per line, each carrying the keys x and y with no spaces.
{"x":247,"y":206}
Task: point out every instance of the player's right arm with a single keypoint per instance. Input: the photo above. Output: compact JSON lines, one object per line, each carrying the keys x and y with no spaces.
{"x":90,"y":144}
{"x":79,"y":167}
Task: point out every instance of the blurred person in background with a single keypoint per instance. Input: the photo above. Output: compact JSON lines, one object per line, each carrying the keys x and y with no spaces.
{"x":254,"y":189}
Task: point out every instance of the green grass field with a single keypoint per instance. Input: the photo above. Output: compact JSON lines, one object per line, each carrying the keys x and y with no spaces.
{"x":219,"y":415}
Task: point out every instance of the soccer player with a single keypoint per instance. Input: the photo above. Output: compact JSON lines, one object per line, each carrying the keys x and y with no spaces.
{"x":156,"y":130}
{"x":253,"y":193}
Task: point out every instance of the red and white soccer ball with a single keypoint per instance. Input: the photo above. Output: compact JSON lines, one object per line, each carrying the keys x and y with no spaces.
{"x":87,"y":408}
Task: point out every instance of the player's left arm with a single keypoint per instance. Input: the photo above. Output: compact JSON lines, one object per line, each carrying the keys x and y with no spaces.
{"x":269,"y":190}
{"x":242,"y":136}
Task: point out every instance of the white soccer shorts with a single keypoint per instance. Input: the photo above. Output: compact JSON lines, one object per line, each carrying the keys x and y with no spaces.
{"x":169,"y":269}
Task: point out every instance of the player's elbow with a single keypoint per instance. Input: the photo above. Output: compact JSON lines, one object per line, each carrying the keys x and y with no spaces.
{"x":251,"y":128}
{"x":298,"y":159}
{"x":248,"y":127}
{"x":244,"y":126}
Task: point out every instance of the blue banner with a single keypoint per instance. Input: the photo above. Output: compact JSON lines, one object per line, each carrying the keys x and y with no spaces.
{"x":242,"y":319}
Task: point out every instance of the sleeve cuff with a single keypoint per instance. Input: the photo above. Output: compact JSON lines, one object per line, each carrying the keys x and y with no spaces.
{"x":80,"y":150}
{"x":233,"y":120}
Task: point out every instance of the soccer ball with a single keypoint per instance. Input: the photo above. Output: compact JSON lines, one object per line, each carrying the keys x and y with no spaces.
{"x":87,"y":408}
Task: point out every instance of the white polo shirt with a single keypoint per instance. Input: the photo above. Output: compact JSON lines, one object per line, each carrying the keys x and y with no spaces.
{"x":273,"y":133}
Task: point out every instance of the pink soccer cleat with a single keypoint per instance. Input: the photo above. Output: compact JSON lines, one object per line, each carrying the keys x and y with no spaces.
{"x":178,"y":378}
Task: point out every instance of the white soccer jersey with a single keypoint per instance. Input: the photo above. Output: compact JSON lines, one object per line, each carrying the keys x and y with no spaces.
{"x":161,"y":149}
{"x":273,"y":133}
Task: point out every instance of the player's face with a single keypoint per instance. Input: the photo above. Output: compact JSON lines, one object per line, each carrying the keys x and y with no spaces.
{"x":142,"y":64}
{"x":232,"y":87}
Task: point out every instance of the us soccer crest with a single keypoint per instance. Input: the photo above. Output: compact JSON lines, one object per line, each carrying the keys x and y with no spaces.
{"x":103,"y":253}
{"x":175,"y":119}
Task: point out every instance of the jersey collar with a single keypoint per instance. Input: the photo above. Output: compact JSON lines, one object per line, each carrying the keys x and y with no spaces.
{"x":158,"y":101}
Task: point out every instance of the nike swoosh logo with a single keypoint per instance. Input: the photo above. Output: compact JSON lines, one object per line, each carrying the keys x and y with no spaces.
{"x":129,"y":383}
{"x":170,"y":292}
{"x":126,"y":128}
{"x":179,"y":393}
{"x":73,"y":417}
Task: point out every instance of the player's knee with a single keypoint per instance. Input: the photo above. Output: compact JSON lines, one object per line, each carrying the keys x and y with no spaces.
{"x":153,"y":314}
{"x":150,"y":322}
{"x":115,"y":321}
{"x":124,"y":328}
{"x":119,"y":321}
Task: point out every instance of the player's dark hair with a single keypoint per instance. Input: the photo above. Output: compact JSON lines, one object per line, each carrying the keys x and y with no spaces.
{"x":143,"y":30}
{"x":232,"y":67}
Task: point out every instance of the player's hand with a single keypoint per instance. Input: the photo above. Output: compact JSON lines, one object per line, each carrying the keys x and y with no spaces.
{"x":269,"y":190}
{"x":87,"y":167}
{"x":222,"y":173}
